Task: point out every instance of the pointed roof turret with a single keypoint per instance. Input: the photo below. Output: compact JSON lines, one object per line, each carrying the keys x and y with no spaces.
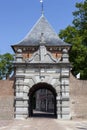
{"x":41,"y":27}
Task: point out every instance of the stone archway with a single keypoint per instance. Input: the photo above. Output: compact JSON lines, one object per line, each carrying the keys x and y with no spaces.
{"x":35,"y":88}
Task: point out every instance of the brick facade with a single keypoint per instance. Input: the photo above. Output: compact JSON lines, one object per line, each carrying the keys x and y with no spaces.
{"x":78,"y":97}
{"x":6,"y":99}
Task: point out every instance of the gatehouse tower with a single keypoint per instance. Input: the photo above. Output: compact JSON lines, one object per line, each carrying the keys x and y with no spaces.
{"x":41,"y":62}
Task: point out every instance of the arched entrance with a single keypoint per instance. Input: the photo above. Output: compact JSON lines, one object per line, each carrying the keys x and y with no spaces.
{"x":41,"y":86}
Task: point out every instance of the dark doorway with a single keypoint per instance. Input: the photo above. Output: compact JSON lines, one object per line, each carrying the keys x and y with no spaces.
{"x":42,"y":101}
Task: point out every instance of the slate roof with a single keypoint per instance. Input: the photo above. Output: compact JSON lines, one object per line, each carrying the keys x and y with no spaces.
{"x":34,"y":36}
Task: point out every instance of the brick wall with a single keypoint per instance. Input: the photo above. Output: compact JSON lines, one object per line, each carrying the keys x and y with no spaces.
{"x":6,"y":99}
{"x":78,"y":97}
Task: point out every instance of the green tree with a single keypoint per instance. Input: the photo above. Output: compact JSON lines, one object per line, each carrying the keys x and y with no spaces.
{"x":80,"y":20}
{"x":6,"y":65}
{"x":77,"y":36}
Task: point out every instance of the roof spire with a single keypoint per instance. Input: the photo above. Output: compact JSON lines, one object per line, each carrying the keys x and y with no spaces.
{"x":42,"y":9}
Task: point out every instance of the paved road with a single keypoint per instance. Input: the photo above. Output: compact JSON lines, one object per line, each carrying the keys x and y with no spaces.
{"x":33,"y":124}
{"x":42,"y":124}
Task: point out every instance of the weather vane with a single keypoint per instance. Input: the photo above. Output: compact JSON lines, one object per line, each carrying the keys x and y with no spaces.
{"x":42,"y":11}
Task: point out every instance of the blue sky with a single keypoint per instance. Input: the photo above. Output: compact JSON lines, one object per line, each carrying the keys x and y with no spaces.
{"x":18,"y":16}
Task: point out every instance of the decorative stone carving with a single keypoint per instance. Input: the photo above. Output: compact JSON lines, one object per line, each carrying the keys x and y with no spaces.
{"x":65,"y":56}
{"x":42,"y":56}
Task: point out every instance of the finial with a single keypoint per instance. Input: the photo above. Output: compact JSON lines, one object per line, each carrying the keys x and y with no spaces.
{"x":42,"y":37}
{"x":42,"y":10}
{"x":42,"y":41}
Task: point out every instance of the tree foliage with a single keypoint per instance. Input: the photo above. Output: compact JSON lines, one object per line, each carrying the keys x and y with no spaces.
{"x":6,"y":65}
{"x":80,"y":20}
{"x":76,"y":34}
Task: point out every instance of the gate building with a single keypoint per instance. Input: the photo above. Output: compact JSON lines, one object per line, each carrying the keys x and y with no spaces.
{"x":41,"y":62}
